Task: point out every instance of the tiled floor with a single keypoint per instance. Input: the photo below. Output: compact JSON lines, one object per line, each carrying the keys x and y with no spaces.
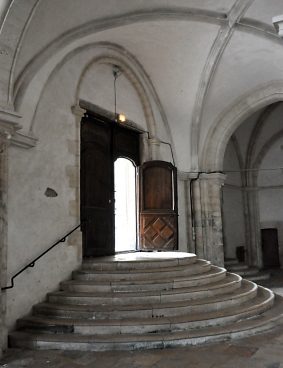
{"x":261,"y":351}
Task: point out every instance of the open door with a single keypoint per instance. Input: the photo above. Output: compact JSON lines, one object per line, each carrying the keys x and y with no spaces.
{"x":158,"y":206}
{"x":97,"y":188}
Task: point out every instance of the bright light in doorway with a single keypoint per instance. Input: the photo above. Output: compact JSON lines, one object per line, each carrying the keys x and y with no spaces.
{"x":125,"y":205}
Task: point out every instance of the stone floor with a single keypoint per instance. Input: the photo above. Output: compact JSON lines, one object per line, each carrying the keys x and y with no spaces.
{"x":261,"y":351}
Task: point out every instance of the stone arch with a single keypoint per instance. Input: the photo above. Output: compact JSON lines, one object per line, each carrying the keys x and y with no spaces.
{"x":27,"y":100}
{"x":133,"y":78}
{"x":212,"y":155}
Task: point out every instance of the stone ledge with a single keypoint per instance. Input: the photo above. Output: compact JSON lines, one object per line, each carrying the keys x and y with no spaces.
{"x":24,"y":140}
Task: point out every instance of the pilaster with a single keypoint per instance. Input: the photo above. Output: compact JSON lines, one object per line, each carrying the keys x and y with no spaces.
{"x":73,"y":174}
{"x":154,"y":145}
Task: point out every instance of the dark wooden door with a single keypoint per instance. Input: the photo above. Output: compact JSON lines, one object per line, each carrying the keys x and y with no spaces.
{"x":270,"y":247}
{"x":102,"y":142}
{"x":158,"y":206}
{"x":97,"y":188}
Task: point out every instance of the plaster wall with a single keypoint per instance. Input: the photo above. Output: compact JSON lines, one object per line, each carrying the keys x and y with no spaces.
{"x":233,"y":208}
{"x":259,"y":12}
{"x":244,"y":134}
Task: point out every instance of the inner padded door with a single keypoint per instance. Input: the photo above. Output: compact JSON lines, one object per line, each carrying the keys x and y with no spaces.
{"x":158,"y":206}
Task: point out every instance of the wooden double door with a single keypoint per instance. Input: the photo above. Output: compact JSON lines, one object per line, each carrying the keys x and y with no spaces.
{"x":102,"y":142}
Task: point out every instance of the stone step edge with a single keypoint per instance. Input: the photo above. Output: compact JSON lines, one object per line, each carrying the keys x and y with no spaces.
{"x":230,"y":279}
{"x":249,"y":288}
{"x":262,"y":302}
{"x":210,"y":273}
{"x":199,"y":264}
{"x":236,"y":330}
{"x":101,"y":264}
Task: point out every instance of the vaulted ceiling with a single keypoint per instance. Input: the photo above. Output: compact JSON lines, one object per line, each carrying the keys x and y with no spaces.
{"x":202,"y":57}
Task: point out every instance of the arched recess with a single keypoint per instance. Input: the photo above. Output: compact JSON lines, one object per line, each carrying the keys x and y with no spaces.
{"x":29,"y":94}
{"x":211,"y":158}
{"x":244,"y":213}
{"x":255,"y":184}
{"x":132,"y":77}
{"x":212,"y":154}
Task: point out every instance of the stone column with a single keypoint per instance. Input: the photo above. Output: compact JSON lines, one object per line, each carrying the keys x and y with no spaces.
{"x":211,"y":217}
{"x":197,"y":228}
{"x":253,"y":249}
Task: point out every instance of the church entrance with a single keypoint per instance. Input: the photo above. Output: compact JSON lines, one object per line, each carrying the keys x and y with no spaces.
{"x":116,"y":191}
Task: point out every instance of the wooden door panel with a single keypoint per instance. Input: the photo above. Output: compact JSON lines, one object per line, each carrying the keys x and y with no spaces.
{"x":97,"y":188}
{"x":158,"y":206}
{"x":97,"y":234}
{"x":102,"y":141}
{"x":126,"y":144}
{"x":158,"y":231}
{"x":157,"y":184}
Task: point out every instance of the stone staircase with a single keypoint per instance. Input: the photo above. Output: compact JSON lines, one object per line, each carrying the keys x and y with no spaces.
{"x":147,"y":300}
{"x":247,"y":272}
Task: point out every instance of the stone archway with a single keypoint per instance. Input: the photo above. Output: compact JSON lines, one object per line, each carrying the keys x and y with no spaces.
{"x":212,"y":154}
{"x":208,"y":195}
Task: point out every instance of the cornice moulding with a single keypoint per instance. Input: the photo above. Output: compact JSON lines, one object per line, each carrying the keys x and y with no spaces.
{"x":9,"y":121}
{"x":23,"y":140}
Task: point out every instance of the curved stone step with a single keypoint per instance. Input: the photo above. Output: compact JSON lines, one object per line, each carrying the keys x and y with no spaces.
{"x":138,"y":261}
{"x":213,"y":275}
{"x":198,"y":267}
{"x":260,"y":304}
{"x":229,"y":284}
{"x":71,"y":341}
{"x":235,"y":298}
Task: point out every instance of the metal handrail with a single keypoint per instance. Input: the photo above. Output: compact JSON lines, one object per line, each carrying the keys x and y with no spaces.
{"x":32,"y":263}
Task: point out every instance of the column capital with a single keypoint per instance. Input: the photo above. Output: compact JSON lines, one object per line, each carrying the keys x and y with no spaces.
{"x":9,"y":125}
{"x":187,"y":175}
{"x":217,"y":177}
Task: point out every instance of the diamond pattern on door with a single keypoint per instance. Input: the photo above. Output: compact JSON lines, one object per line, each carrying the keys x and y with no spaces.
{"x":158,"y":232}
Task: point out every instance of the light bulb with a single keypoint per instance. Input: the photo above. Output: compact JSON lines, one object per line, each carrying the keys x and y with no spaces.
{"x":122,"y":118}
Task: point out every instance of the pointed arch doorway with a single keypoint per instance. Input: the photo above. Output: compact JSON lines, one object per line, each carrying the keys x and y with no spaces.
{"x":104,"y":142}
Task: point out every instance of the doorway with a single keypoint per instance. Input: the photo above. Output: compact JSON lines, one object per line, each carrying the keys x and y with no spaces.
{"x":108,"y":147}
{"x":270,"y":247}
{"x":125,"y":205}
{"x":103,"y":141}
